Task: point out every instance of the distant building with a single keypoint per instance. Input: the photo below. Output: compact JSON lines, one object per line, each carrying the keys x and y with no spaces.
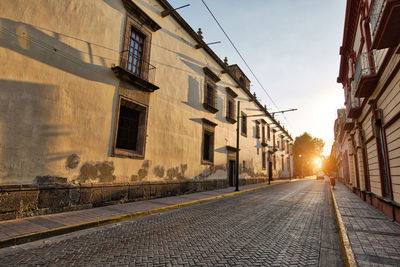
{"x":124,"y":101}
{"x":368,"y":132}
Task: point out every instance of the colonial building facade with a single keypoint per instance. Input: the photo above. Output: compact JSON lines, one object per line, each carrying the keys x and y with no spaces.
{"x":367,"y":132}
{"x":105,"y":101}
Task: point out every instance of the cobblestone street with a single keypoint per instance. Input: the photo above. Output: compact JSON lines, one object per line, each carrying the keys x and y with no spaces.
{"x":289,"y":224}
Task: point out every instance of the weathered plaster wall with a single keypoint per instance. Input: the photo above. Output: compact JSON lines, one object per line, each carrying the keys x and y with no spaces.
{"x":58,"y":98}
{"x":56,"y":88}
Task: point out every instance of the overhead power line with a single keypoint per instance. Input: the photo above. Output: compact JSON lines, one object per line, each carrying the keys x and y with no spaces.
{"x":245,"y":62}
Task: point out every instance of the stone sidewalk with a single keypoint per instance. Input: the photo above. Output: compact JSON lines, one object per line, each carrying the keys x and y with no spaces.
{"x":28,"y":229}
{"x":374,"y":238}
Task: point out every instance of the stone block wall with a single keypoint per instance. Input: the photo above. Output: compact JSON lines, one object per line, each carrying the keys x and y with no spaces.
{"x":30,"y":200}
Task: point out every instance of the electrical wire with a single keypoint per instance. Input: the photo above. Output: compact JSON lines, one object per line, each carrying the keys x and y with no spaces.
{"x":245,"y":62}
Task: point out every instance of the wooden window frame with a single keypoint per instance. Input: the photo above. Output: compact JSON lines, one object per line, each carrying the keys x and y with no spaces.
{"x":382,"y":153}
{"x":274,"y":140}
{"x":263,"y":136}
{"x":230,"y":117}
{"x":212,"y":107}
{"x":258,"y":135}
{"x":210,"y":80}
{"x":132,"y":23}
{"x":263,"y":160}
{"x":139,"y":153}
{"x":209,"y":129}
{"x":243,"y":124}
{"x":230,"y":98}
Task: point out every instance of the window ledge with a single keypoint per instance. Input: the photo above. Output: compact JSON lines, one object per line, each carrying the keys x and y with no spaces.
{"x":230,"y":120}
{"x":210,"y":108}
{"x":121,"y":153}
{"x":206,"y":162}
{"x":128,"y":76}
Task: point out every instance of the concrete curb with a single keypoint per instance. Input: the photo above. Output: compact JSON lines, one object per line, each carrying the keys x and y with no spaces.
{"x":347,"y":250}
{"x":18,"y":240}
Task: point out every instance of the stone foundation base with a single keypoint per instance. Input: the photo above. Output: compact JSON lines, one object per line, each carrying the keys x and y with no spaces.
{"x":387,"y":206}
{"x":30,"y":200}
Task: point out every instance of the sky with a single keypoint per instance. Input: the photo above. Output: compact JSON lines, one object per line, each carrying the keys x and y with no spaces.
{"x":292,"y":46}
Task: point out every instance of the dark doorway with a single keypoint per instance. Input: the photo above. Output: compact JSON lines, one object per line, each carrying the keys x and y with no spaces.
{"x":231,"y":172}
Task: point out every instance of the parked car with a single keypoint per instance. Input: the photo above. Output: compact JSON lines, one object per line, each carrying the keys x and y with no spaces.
{"x":320,"y":176}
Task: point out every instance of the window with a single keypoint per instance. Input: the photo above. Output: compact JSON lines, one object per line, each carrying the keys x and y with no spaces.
{"x":263,"y":133}
{"x":230,"y":105}
{"x":135,"y":56}
{"x":230,"y":109}
{"x":382,"y":154}
{"x":244,"y":124}
{"x":210,"y":96}
{"x":210,"y":90}
{"x":257,"y":129}
{"x":274,"y":158}
{"x":263,"y":141}
{"x":134,"y":66}
{"x":263,"y":160}
{"x":208,"y":146}
{"x":135,"y":52}
{"x":268,"y":132}
{"x":208,"y":142}
{"x":282,"y":143}
{"x":273,"y":139}
{"x":283,"y":163}
{"x":130,"y":129}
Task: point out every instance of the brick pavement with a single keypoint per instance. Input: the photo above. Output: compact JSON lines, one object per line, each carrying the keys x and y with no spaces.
{"x":374,"y":238}
{"x":29,"y":225}
{"x":290,"y":224}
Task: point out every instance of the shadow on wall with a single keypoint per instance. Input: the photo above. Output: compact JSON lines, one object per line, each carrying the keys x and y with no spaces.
{"x":31,"y":42}
{"x":194,"y":94}
{"x":115,"y":5}
{"x":27,"y":139}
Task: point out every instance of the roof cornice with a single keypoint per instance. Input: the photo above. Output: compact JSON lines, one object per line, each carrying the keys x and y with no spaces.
{"x":350,"y":27}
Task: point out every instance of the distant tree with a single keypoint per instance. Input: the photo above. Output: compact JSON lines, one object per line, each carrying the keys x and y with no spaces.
{"x":329,"y":165}
{"x":306,"y":149}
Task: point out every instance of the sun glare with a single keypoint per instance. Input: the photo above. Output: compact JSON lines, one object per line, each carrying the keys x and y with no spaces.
{"x":318,"y":162}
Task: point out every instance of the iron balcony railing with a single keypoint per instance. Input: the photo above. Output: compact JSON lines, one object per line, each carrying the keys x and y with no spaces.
{"x":138,"y":66}
{"x":364,"y":68}
{"x":376,"y":14}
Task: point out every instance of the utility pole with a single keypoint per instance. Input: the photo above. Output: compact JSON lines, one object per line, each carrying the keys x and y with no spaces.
{"x":237,"y":147}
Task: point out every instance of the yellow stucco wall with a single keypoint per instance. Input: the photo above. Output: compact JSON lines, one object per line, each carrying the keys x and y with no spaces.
{"x":58,"y":95}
